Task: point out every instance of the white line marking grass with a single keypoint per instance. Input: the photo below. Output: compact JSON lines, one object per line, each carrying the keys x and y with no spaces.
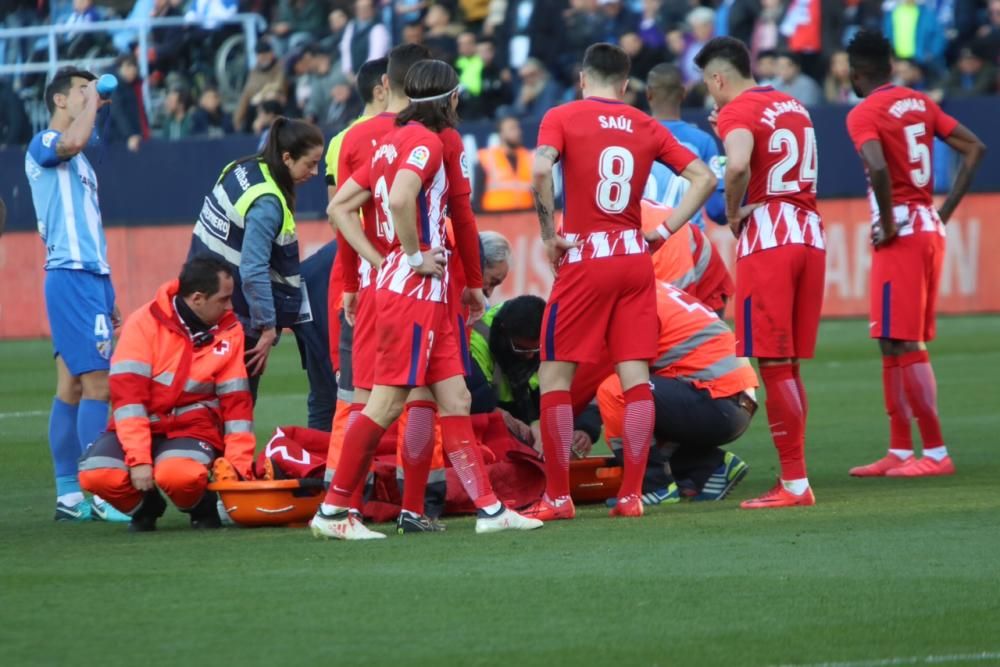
{"x":986,"y":656}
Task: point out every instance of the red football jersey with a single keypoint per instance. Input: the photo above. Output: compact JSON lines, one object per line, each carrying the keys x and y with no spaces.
{"x":412,"y":148}
{"x":356,"y":151}
{"x":783,"y":168}
{"x":606,"y":149}
{"x":905,"y":122}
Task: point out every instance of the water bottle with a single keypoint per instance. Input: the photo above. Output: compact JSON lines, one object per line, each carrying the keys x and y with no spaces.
{"x":106,"y":85}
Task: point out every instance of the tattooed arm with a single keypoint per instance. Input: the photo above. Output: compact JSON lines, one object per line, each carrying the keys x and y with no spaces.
{"x":543,"y":189}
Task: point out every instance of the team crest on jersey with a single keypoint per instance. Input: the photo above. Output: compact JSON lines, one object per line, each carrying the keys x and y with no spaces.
{"x":419,"y":157}
{"x":221,"y":348}
{"x":48,"y":138}
{"x":104,"y":349}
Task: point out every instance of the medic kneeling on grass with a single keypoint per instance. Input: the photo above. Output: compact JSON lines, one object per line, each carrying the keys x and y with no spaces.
{"x":181,"y":403}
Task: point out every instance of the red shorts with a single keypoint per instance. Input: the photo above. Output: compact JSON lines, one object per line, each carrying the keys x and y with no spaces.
{"x":365,"y":340}
{"x":417,"y":345}
{"x":904,"y":287}
{"x":715,"y":287}
{"x":602,"y":308}
{"x":779,"y":296}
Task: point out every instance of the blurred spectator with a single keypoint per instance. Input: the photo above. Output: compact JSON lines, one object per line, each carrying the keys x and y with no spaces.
{"x":765,"y":30}
{"x":438,"y":38}
{"x":208,"y":118}
{"x":837,"y":88}
{"x":15,"y":128}
{"x":78,"y":43}
{"x":413,"y":33}
{"x":616,"y":20}
{"x":506,"y":171}
{"x":496,"y":82}
{"x":166,"y":50}
{"x":971,"y":75}
{"x":297,"y":23}
{"x":364,"y":38}
{"x":583,"y":27}
{"x":702,"y":24}
{"x":398,"y":14}
{"x":546,"y":37}
{"x":344,"y":106}
{"x":766,"y":68}
{"x":741,"y":18}
{"x":129,"y":123}
{"x":808,"y":26}
{"x":908,"y":72}
{"x":265,"y":72}
{"x":989,"y":34}
{"x":474,"y":12}
{"x":644,"y":57}
{"x":266,"y":113}
{"x":469,"y":65}
{"x":208,"y":12}
{"x":176,"y":114}
{"x":17,"y":14}
{"x":912,"y":28}
{"x":321,"y":79}
{"x":538,"y":92}
{"x":337,"y":24}
{"x":653,"y":25}
{"x":792,"y":81}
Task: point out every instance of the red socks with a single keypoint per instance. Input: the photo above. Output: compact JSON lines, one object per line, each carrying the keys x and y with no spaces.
{"x":637,"y":436}
{"x":462,"y":449}
{"x":896,"y":405}
{"x":557,"y":438}
{"x":921,"y":393}
{"x":418,"y":448}
{"x":360,"y":443}
{"x":786,"y":415}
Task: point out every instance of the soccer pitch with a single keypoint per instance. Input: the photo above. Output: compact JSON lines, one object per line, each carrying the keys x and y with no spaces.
{"x":879,"y":572}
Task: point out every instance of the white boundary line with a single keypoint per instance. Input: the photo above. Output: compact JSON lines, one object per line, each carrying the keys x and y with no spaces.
{"x":21,"y":415}
{"x":914,"y":660}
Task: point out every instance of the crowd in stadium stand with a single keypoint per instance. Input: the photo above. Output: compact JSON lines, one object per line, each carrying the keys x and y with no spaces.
{"x":514,"y":57}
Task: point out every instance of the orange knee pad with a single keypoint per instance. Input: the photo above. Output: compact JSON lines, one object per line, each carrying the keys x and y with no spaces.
{"x":183,"y":480}
{"x":113,"y":485}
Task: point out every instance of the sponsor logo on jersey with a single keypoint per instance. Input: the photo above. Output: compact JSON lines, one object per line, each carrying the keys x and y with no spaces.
{"x":464,"y":161}
{"x":48,"y":138}
{"x":419,"y":157}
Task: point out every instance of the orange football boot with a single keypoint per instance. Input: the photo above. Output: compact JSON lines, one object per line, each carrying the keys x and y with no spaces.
{"x":544,"y":509}
{"x":779,"y":497}
{"x":880,"y":467}
{"x":924,"y":467}
{"x":629,"y":506}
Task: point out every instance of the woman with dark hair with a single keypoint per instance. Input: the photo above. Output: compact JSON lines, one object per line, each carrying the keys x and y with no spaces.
{"x":417,"y":345}
{"x":247,"y":221}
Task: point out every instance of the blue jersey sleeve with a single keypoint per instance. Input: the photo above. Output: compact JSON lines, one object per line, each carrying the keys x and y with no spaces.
{"x":42,"y":148}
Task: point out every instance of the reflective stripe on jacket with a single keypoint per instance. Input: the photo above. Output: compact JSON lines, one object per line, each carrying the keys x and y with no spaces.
{"x":162,"y":385}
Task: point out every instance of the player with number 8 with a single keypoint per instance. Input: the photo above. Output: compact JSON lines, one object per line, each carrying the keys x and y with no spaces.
{"x":770,"y":192}
{"x":603,"y":301}
{"x":893,"y":129}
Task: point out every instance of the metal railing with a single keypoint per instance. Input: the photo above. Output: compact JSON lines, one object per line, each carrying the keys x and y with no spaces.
{"x":252,"y":24}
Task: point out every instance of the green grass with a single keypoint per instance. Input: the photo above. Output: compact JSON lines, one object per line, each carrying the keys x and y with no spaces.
{"x":879,"y":569}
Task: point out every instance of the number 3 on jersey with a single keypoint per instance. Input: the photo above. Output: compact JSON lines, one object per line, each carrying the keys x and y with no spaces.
{"x":784,"y":141}
{"x":615,"y":187}
{"x":383,"y":223}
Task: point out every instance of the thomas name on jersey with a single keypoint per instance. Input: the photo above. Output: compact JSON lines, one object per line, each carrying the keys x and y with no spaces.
{"x":908,"y":104}
{"x":777,"y":109}
{"x":615,"y":123}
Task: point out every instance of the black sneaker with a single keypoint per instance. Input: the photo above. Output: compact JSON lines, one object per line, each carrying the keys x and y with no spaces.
{"x":152,"y":508}
{"x":417,"y":523}
{"x":205,"y":515}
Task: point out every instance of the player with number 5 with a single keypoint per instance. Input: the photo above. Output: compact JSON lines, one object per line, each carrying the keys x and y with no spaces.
{"x":603,"y":300}
{"x":893,"y":129}
{"x":770,"y":191}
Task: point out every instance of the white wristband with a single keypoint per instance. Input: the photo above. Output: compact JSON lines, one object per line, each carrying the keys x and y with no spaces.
{"x":416,"y":259}
{"x":663,"y":232}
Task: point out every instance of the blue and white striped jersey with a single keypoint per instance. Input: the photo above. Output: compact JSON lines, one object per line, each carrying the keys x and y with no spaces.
{"x":65,"y":196}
